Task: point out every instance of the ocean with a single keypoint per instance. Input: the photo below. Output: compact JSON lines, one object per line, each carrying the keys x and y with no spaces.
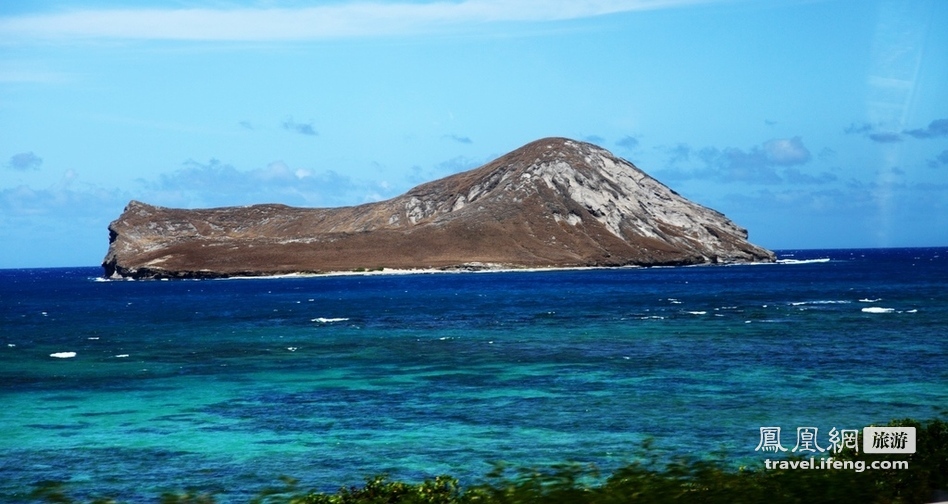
{"x":134,"y":388}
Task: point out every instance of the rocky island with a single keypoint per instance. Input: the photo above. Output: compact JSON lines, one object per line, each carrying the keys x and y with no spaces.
{"x":552,"y":203}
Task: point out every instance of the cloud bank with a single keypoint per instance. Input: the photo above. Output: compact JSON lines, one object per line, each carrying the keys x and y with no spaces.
{"x":772,"y":162}
{"x":199,"y":184}
{"x":935,"y":129}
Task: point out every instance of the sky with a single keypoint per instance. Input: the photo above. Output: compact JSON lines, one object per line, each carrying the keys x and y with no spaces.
{"x":813,"y":124}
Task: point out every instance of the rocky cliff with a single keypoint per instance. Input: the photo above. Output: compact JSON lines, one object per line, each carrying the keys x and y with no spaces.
{"x":552,"y":203}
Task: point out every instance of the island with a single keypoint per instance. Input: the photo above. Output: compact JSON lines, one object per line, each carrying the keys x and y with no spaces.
{"x":553,"y":203}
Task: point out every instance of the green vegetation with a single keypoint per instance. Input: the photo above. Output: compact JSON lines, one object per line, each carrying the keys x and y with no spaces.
{"x":647,"y":481}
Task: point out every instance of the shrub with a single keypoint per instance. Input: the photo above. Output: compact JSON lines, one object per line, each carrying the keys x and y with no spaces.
{"x":647,"y":481}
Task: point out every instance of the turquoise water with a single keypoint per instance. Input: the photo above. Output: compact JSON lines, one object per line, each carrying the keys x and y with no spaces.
{"x":224,"y":385}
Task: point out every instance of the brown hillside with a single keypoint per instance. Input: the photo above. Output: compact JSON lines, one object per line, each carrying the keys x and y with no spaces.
{"x":552,"y":203}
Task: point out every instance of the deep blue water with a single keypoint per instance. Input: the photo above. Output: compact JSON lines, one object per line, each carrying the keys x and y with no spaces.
{"x":224,"y":385}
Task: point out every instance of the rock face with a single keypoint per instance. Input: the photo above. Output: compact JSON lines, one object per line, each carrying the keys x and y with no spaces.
{"x":552,"y":203}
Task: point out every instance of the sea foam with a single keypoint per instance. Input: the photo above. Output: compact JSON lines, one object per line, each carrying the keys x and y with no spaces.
{"x":821,"y":302}
{"x":803,"y":261}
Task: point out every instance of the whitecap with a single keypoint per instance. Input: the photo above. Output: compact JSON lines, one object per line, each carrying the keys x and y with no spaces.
{"x":912,"y":311}
{"x":292,"y":348}
{"x":63,"y":355}
{"x":803,"y":261}
{"x":820,"y":302}
{"x":323,"y":320}
{"x":867,"y":300}
{"x":121,"y":356}
{"x":698,"y":312}
{"x":877,"y":309}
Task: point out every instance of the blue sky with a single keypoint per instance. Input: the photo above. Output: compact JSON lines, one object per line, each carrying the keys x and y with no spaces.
{"x":815,"y":124}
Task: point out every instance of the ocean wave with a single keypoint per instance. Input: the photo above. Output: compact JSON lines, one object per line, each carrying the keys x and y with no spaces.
{"x":820,"y":302}
{"x":803,"y":261}
{"x":323,"y":320}
{"x":877,"y":309}
{"x":63,"y":355}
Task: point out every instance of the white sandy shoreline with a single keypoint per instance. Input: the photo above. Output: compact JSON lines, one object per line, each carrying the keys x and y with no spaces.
{"x":497,"y":268}
{"x":481,"y":268}
{"x":470,"y":268}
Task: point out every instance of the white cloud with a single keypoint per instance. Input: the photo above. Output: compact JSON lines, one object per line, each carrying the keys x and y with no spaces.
{"x":786,"y":151}
{"x":351,"y":19}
